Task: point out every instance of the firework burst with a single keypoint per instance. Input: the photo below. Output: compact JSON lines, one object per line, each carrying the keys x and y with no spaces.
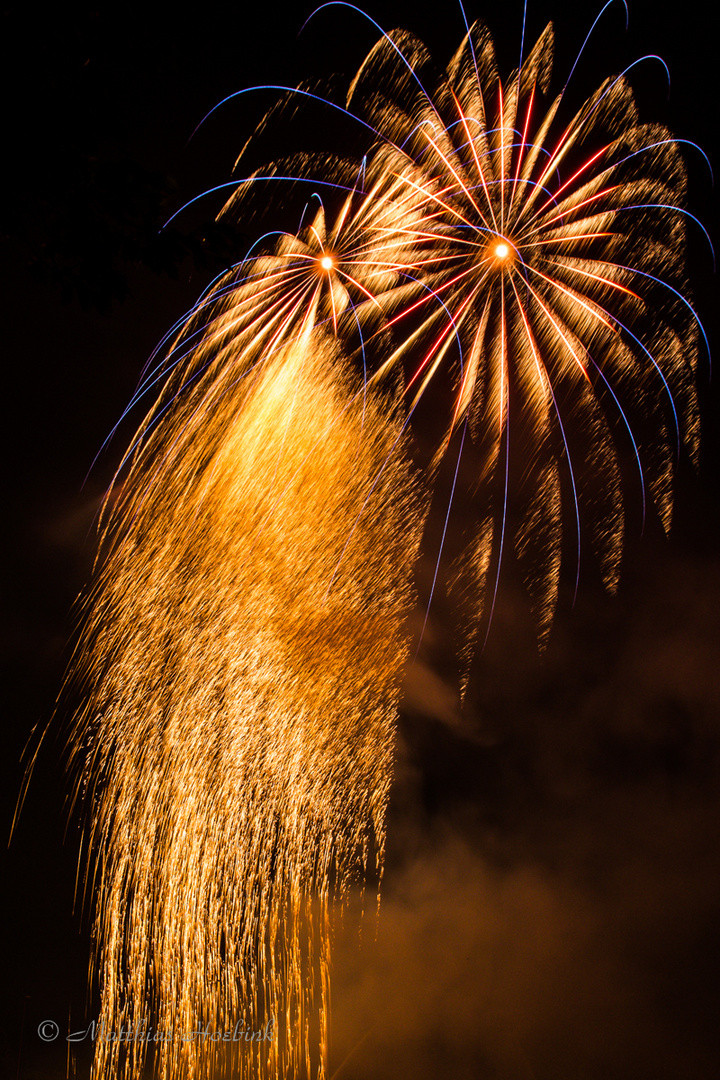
{"x":551,"y":253}
{"x":532,"y":261}
{"x":245,"y":640}
{"x":248,"y":642}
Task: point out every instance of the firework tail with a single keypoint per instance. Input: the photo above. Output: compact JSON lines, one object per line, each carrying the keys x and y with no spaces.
{"x":248,"y":642}
{"x":245,"y":637}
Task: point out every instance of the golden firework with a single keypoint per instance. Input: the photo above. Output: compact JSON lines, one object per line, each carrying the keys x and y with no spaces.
{"x":246,"y":639}
{"x":551,"y":257}
{"x":248,"y":645}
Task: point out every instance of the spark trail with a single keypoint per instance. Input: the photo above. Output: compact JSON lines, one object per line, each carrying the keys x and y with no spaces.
{"x":555,"y":245}
{"x":245,"y":638}
{"x":241,"y":733}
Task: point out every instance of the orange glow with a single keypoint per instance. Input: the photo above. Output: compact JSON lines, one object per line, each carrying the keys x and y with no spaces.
{"x":246,"y":631}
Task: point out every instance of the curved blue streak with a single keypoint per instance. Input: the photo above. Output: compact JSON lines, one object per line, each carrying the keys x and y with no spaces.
{"x":442,"y":539}
{"x":359,"y":11}
{"x":677,"y":209}
{"x":659,"y":281}
{"x":250,"y":180}
{"x":665,"y":142}
{"x":582,"y":47}
{"x":630,"y":433}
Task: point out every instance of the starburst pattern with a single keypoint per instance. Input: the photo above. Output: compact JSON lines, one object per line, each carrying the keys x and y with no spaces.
{"x":493,"y":259}
{"x":556,"y":249}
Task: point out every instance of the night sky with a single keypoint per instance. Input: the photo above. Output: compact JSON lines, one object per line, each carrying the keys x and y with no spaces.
{"x":549,"y":908}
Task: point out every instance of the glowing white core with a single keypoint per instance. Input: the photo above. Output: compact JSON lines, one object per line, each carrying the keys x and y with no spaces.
{"x":326,"y":262}
{"x":502,"y":251}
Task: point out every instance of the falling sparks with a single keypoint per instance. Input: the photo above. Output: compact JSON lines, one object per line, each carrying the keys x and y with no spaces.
{"x":246,"y":634}
{"x":249,"y":646}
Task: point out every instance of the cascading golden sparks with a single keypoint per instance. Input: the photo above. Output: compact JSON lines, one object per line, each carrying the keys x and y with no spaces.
{"x":245,"y":638}
{"x":248,"y":642}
